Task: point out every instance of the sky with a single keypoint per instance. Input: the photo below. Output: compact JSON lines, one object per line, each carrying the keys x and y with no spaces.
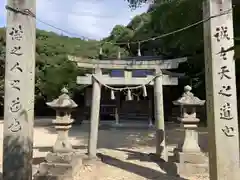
{"x":93,"y":19}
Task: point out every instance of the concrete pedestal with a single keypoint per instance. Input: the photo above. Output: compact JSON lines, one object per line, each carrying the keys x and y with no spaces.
{"x":190,"y":163}
{"x":189,"y":169}
{"x":193,"y":158}
{"x":188,"y":155}
{"x":190,"y":143}
{"x":59,"y":166}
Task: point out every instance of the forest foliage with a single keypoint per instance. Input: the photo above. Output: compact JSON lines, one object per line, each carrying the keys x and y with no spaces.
{"x":53,"y":70}
{"x":164,"y":17}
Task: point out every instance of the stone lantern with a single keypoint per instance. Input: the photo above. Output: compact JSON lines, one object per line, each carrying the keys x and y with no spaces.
{"x":63,"y":161}
{"x":189,"y":151}
{"x":63,"y":122}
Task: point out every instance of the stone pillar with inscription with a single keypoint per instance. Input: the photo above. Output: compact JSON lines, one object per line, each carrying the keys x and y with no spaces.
{"x":63,"y":161}
{"x":188,"y":152}
{"x":221,"y":90}
{"x":19,"y":90}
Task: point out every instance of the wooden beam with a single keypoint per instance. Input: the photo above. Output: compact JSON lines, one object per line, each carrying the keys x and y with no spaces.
{"x":167,"y":80}
{"x":174,"y":74}
{"x":127,"y":64}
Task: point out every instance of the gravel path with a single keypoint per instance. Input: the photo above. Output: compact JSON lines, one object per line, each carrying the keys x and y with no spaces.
{"x":124,"y":153}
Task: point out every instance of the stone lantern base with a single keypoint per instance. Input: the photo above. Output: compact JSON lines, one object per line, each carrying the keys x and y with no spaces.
{"x":59,"y":166}
{"x":63,"y":162}
{"x":189,"y":155}
{"x":191,"y":162}
{"x":189,"y":169}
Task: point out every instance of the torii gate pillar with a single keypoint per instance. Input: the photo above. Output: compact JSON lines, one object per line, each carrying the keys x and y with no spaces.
{"x":95,"y":109}
{"x":161,"y":149}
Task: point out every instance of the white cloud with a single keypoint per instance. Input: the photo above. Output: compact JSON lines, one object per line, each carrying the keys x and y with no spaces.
{"x":89,"y":18}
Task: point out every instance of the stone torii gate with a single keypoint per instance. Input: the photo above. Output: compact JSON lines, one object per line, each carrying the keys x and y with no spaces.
{"x":161,"y":77}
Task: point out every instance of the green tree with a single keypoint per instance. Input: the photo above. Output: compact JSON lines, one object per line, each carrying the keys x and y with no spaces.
{"x":53,"y":69}
{"x":167,"y":16}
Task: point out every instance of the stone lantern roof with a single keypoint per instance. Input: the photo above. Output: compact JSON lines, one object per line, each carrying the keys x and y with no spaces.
{"x":63,"y":101}
{"x":188,"y":98}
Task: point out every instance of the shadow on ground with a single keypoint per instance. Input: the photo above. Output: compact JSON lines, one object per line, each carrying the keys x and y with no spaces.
{"x":145,"y":172}
{"x":169,"y":167}
{"x":126,"y":138}
{"x":38,"y":160}
{"x":112,"y":137}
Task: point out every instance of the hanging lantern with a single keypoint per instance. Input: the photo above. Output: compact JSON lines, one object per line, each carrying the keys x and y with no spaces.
{"x":119,"y":55}
{"x":112,"y":95}
{"x":144,"y":91}
{"x":128,"y":45}
{"x":139,"y":49}
{"x":129,"y":95}
{"x":138,"y":98}
{"x":100,"y":51}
